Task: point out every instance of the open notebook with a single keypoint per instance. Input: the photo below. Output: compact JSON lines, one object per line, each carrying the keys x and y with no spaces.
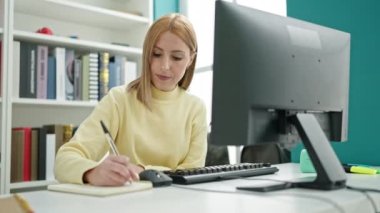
{"x":101,"y":191}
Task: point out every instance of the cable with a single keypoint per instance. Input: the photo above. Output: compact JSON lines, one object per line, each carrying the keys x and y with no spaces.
{"x":371,"y":201}
{"x":359,"y":189}
{"x":326,"y":200}
{"x":365,"y":192}
{"x":334,"y":204}
{"x":363,"y":189}
{"x":294,"y":185}
{"x":206,"y":190}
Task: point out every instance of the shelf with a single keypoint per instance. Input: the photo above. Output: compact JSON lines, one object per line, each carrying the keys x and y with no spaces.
{"x":31,"y":184}
{"x":44,"y":102}
{"x":99,"y":25}
{"x":81,"y":13}
{"x":78,"y":44}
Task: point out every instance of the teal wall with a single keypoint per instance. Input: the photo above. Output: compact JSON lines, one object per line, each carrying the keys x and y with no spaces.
{"x":361,"y":19}
{"x":162,"y":7}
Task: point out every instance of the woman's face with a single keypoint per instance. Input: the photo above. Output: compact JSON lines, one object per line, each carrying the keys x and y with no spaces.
{"x":169,"y":61}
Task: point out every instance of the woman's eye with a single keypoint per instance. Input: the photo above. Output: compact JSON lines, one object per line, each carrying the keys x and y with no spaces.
{"x":156,"y":55}
{"x":177,"y":58}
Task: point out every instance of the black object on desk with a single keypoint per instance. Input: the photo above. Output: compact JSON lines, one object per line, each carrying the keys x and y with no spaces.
{"x":220,"y":172}
{"x":267,"y":187}
{"x":156,"y":177}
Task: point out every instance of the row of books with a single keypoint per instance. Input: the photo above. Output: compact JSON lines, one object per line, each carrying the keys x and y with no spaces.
{"x":33,"y":151}
{"x":58,"y":73}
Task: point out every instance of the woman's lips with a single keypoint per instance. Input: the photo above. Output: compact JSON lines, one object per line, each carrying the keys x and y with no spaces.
{"x":163,"y":78}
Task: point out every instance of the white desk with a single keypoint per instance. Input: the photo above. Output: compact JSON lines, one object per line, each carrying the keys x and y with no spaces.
{"x":179,"y":200}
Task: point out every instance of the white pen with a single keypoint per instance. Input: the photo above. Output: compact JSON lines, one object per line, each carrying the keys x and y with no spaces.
{"x":111,"y":142}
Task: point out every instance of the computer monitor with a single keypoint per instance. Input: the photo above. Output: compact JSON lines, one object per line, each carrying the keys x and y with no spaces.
{"x":279,"y":79}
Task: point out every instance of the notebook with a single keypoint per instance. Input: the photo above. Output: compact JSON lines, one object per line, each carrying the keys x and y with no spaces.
{"x":100,"y":191}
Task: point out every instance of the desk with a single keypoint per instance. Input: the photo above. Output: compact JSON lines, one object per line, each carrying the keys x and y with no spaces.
{"x":180,"y":200}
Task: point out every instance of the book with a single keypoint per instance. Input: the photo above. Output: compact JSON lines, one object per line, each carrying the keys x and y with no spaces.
{"x":85,"y":76}
{"x":117,"y":70}
{"x":63,"y":133}
{"x":16,"y":69}
{"x":100,"y":191}
{"x":50,"y":156}
{"x":41,"y":173}
{"x":21,"y":154}
{"x":113,"y":76}
{"x":69,"y":75}
{"x":51,"y":78}
{"x":17,"y":156}
{"x":28,"y":66}
{"x":104,"y":75}
{"x":34,"y":154}
{"x":78,"y":79}
{"x":93,"y":81}
{"x":60,"y":54}
{"x":42,"y":72}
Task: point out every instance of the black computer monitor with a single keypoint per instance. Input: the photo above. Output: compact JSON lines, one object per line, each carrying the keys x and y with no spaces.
{"x":279,"y":79}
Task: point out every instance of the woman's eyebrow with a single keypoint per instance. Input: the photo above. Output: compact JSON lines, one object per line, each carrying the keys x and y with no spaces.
{"x":178,"y":51}
{"x":156,"y":47}
{"x":172,"y":51}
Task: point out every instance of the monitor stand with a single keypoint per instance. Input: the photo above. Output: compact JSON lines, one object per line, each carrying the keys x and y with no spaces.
{"x":330,"y":172}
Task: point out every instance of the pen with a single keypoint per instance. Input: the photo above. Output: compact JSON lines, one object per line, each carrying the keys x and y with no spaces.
{"x":111,"y":142}
{"x":23,"y":203}
{"x":359,"y":169}
{"x":367,"y":166}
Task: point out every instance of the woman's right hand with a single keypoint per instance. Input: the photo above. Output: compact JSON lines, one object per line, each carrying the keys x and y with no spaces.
{"x":113,"y":171}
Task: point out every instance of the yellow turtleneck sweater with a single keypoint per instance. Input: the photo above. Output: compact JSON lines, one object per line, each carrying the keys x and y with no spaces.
{"x":172,"y":135}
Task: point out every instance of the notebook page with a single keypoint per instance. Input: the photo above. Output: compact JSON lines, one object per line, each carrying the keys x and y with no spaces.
{"x":100,"y":191}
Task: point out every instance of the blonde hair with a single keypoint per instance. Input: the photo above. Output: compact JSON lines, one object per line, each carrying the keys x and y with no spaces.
{"x":181,"y":27}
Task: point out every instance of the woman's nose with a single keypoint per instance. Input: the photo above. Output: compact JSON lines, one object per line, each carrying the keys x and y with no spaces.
{"x":165,"y":64}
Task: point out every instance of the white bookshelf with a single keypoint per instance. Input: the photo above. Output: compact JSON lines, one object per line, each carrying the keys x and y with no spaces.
{"x":114,"y":26}
{"x":132,"y":53}
{"x":82,"y":13}
{"x":92,"y":20}
{"x":31,"y":184}
{"x":45,"y":102}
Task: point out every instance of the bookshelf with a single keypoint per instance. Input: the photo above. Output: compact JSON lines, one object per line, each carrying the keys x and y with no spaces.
{"x":114,"y":26}
{"x":132,"y":53}
{"x":45,"y":102}
{"x":85,"y":13}
{"x":22,"y":186}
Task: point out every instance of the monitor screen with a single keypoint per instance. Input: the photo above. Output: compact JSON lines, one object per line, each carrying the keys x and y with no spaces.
{"x":268,"y":68}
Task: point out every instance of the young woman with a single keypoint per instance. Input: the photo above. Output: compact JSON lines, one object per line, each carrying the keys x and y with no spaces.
{"x":155,"y":123}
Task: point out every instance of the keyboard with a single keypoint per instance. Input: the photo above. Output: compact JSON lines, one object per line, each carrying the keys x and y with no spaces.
{"x":220,"y":172}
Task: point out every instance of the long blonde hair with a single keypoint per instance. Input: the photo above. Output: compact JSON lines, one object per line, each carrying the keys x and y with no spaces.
{"x":178,"y":25}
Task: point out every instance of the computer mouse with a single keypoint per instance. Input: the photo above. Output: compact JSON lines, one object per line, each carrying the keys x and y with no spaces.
{"x":156,"y":177}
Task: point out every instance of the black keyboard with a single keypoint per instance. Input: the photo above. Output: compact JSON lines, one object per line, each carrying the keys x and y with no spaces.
{"x":220,"y":172}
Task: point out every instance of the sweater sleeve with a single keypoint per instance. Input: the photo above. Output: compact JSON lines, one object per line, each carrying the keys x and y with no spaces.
{"x":88,"y":145}
{"x":196,"y":155}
